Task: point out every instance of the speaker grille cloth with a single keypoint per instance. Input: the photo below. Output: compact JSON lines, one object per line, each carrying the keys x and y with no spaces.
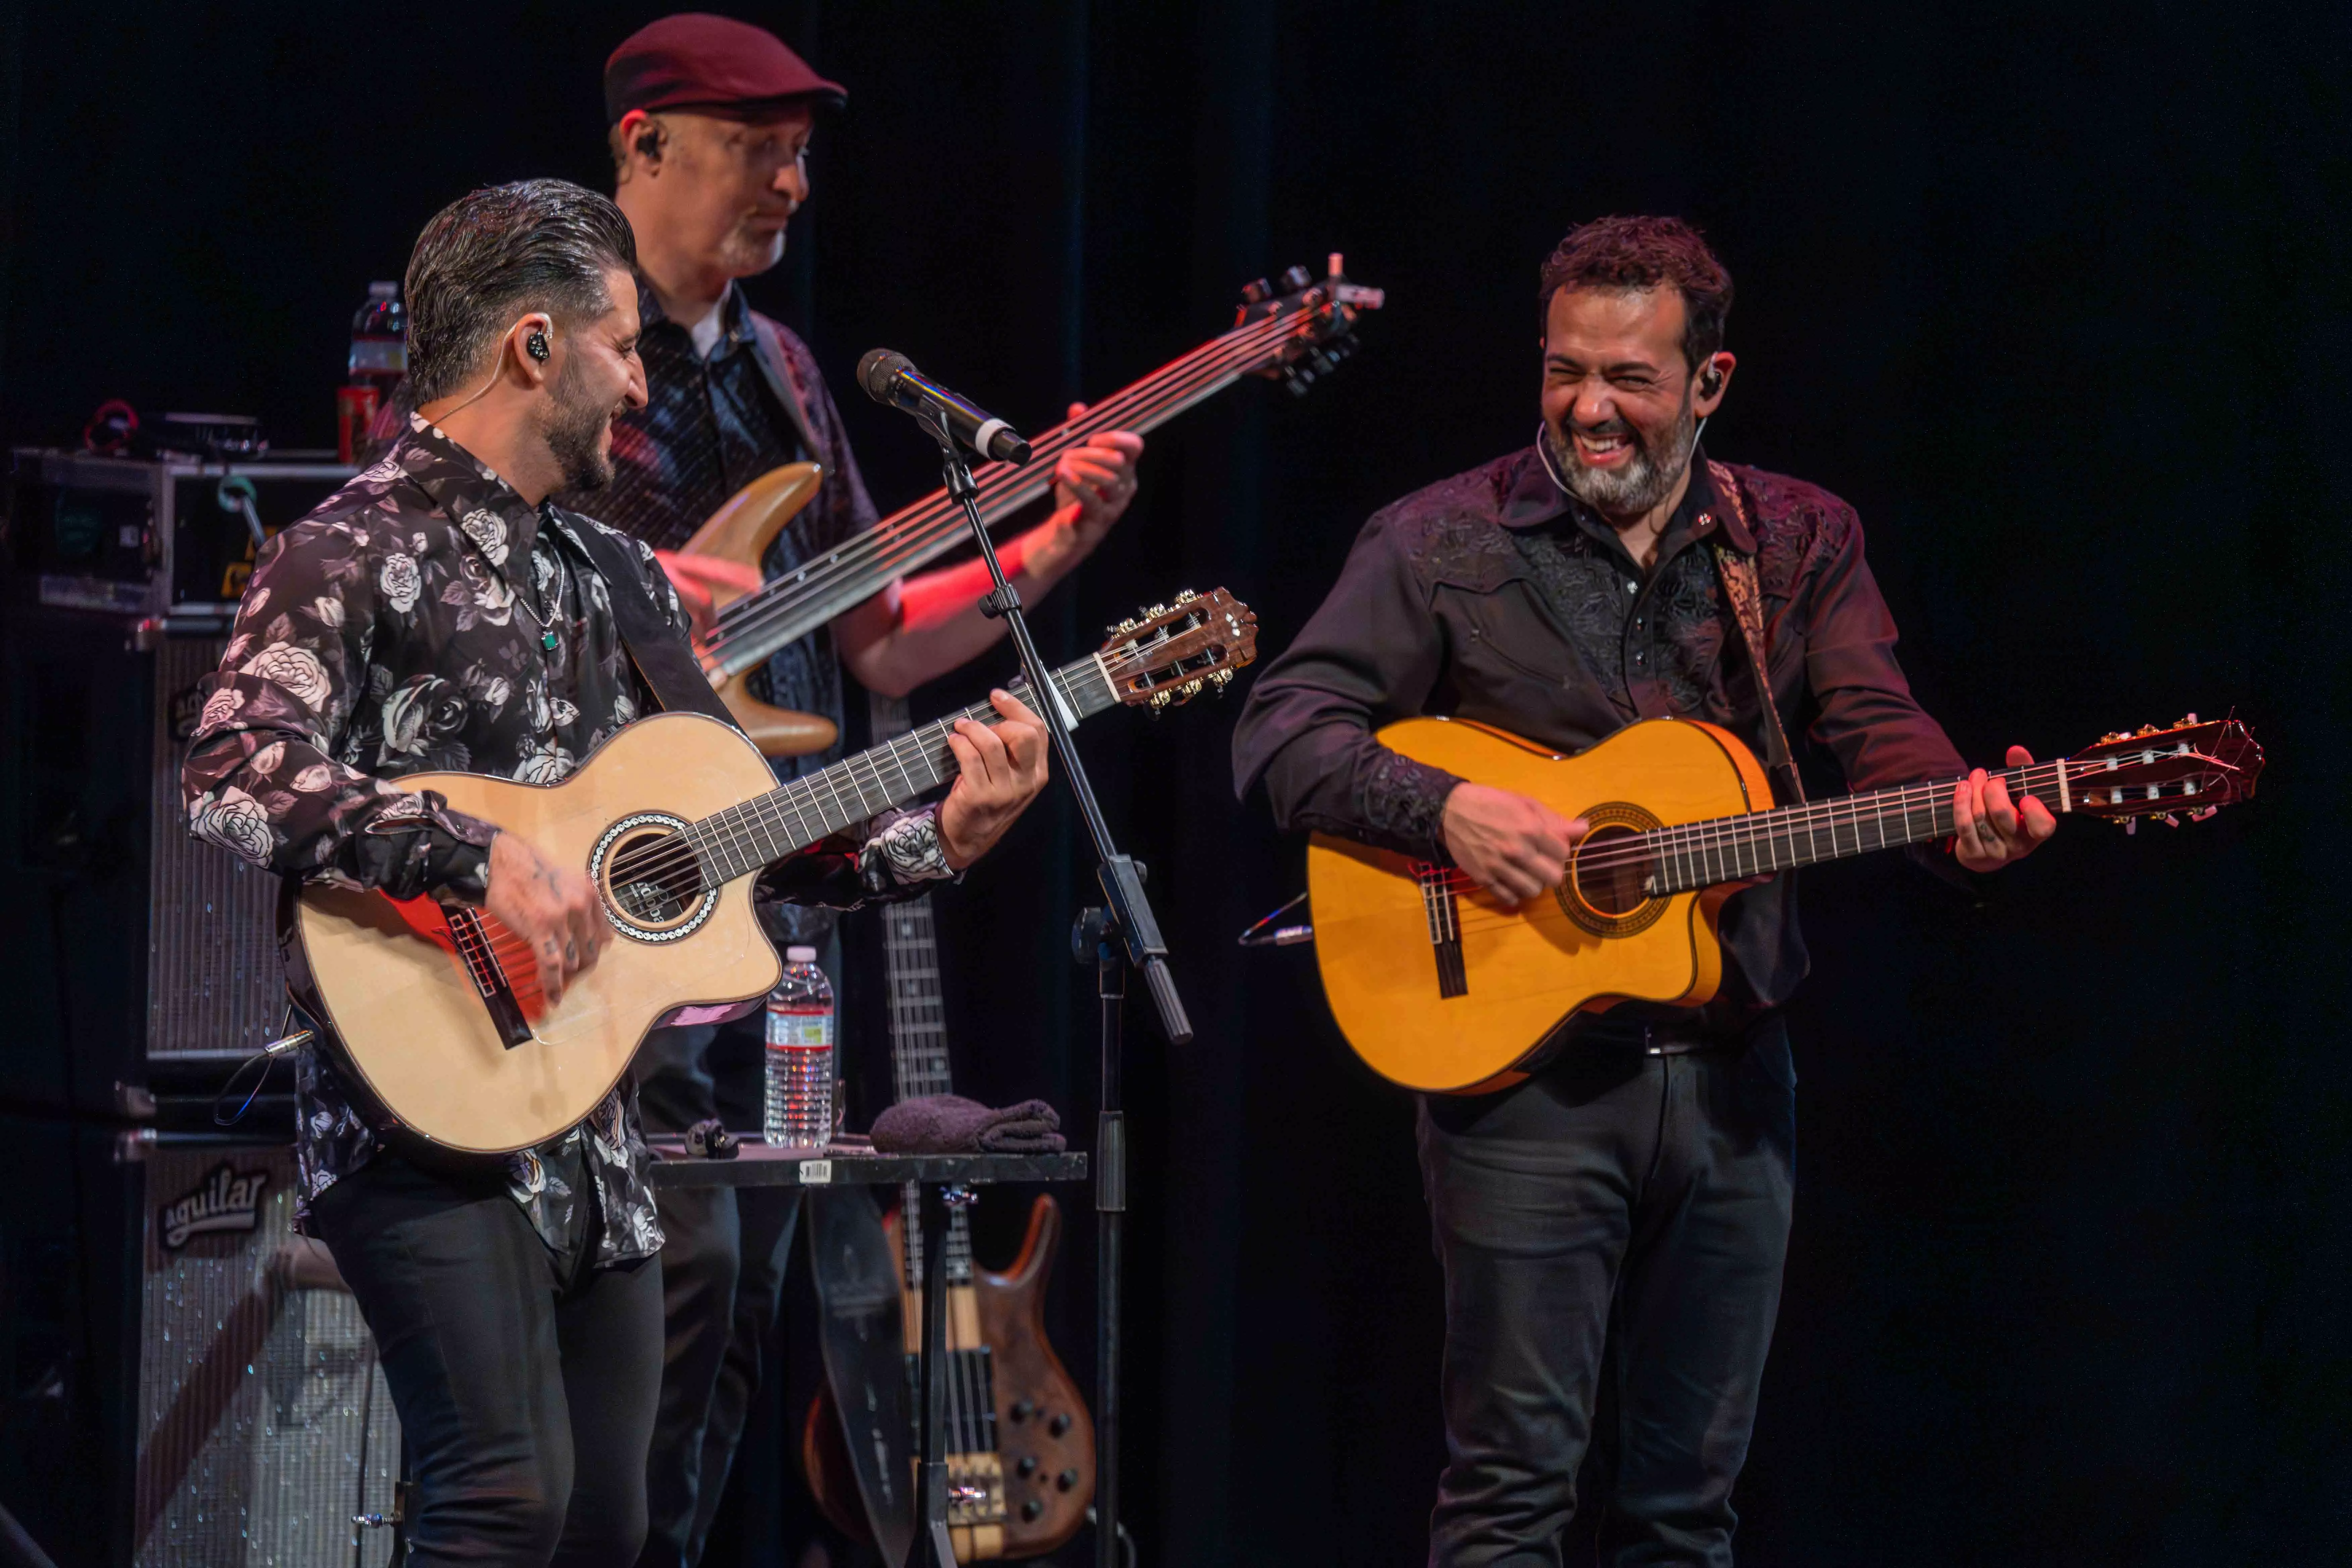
{"x":264,"y":1420}
{"x":213,"y":979}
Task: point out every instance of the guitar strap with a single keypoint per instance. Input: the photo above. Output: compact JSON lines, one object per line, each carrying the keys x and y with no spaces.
{"x":1741,"y":585}
{"x":660,"y":654}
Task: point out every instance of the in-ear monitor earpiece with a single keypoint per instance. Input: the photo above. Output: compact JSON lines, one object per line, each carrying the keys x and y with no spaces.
{"x":535,"y":346}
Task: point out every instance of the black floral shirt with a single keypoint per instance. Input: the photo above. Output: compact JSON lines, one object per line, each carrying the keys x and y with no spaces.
{"x":425,"y":618}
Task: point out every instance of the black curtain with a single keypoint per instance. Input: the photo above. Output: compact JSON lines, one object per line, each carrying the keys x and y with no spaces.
{"x":2053,"y":297}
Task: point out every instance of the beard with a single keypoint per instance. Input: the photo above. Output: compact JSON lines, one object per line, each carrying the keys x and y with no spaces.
{"x":574,"y":430}
{"x":747,"y":252}
{"x":1646,"y":479}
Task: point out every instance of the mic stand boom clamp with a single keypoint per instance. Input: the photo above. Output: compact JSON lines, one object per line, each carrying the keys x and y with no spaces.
{"x":1132,"y":928}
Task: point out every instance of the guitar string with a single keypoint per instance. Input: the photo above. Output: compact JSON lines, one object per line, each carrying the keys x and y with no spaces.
{"x":743,"y":616}
{"x":912,"y":530}
{"x":1684,"y":848}
{"x":673,"y":853}
{"x":1720,"y":837}
{"x":666,"y":862}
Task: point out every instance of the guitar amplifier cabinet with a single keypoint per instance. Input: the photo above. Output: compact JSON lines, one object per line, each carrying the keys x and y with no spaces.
{"x":215,"y":989}
{"x":264,"y":1425}
{"x":190,"y":1386}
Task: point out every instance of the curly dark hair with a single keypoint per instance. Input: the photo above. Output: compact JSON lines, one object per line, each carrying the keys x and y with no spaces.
{"x":497,"y":254}
{"x":1636,"y":252}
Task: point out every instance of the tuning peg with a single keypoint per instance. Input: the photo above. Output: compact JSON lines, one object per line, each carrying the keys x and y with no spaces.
{"x":1256,"y":292}
{"x":1221,"y":678}
{"x":2148,"y":730}
{"x":1295,"y":279}
{"x":2187,"y":720}
{"x":1155,"y":612}
{"x":1192,"y":689}
{"x":2131,"y":826}
{"x":1185,"y":595}
{"x":2112,"y":735}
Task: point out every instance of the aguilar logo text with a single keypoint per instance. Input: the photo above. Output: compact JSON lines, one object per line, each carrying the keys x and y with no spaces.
{"x":226,"y":1200}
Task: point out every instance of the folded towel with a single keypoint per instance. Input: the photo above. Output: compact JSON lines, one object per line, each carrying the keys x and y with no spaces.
{"x":951,"y":1124}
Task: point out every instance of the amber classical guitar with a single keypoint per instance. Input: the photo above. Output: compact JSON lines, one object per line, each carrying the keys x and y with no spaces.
{"x":1439,"y":985}
{"x":1294,"y":336}
{"x":439,"y":1009}
{"x":1021,"y":1455}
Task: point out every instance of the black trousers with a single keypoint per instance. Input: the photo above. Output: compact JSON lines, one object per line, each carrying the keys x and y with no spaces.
{"x":1619,"y":1219}
{"x":722,"y":1277}
{"x":524,"y":1381}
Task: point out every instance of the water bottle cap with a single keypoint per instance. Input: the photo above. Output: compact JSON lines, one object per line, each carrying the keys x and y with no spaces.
{"x":383,"y":291}
{"x":800,"y":955}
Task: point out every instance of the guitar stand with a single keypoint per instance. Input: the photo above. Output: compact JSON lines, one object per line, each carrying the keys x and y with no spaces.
{"x":946,"y":1180}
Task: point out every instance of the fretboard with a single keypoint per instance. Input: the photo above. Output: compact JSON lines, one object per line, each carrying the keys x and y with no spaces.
{"x":919,"y":1030}
{"x":789,"y":607}
{"x":742,"y":838}
{"x":1731,"y":848}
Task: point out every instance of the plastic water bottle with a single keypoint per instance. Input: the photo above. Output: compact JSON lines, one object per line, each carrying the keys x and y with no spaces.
{"x":798,"y":1111}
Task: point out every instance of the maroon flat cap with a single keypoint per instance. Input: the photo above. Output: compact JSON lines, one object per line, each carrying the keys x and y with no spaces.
{"x":697,"y":60}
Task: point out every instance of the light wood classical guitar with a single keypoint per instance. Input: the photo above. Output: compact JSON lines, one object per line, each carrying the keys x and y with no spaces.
{"x":439,"y":1009}
{"x":1439,"y":985}
{"x":1020,"y":1446}
{"x":1296,"y":337}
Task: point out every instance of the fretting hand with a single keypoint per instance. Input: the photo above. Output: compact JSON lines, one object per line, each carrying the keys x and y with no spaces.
{"x":1093,"y":483}
{"x":550,"y":908}
{"x":1001,"y":768}
{"x":1989,"y":831}
{"x":1508,"y":844}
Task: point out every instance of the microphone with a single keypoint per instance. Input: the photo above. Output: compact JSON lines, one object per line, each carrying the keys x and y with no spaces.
{"x":892,"y":379}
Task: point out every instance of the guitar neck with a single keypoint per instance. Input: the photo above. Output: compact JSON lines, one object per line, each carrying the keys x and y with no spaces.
{"x":742,"y":838}
{"x":1696,"y":855}
{"x":783,"y":611}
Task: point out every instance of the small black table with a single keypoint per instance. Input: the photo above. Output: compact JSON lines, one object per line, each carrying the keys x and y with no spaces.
{"x":944,"y":1180}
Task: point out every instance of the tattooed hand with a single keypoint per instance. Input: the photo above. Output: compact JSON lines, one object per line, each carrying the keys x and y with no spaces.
{"x":549,"y":906}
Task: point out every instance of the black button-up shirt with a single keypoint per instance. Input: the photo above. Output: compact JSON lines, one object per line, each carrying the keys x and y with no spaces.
{"x":1493,"y":596}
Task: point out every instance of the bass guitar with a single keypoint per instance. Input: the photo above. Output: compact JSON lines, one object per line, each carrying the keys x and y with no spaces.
{"x":1021,"y":1450}
{"x":1439,"y":985}
{"x":1297,"y":336}
{"x":439,"y":1009}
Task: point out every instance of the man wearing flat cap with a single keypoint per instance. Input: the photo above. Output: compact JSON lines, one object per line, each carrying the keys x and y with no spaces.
{"x":709,"y":125}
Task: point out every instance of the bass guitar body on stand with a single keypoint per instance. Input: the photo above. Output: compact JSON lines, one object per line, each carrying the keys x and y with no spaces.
{"x":1021,"y":1458}
{"x":1439,"y":985}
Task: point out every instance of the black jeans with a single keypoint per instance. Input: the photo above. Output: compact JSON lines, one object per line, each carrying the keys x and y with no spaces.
{"x":723,"y":1276}
{"x":525,"y":1383}
{"x":1619,"y":1216}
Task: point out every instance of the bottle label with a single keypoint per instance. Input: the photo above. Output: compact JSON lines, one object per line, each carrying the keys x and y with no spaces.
{"x":379,"y":356}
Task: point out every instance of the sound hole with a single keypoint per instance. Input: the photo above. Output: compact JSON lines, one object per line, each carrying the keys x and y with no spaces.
{"x":1610,"y":872}
{"x":1606,"y":891}
{"x":651,"y":878}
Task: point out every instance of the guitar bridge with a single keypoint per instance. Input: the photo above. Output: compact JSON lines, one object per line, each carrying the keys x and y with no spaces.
{"x":1444,"y":927}
{"x":490,"y":977}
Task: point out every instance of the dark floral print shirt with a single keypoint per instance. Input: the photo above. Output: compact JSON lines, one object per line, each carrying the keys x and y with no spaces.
{"x":422,"y":619}
{"x":1493,"y":596}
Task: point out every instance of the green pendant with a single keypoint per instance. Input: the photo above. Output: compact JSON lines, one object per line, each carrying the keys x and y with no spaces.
{"x":547,"y":640}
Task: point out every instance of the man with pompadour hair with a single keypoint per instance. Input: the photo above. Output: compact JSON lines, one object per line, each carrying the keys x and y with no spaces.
{"x":441,"y":612}
{"x":1623,"y":1211}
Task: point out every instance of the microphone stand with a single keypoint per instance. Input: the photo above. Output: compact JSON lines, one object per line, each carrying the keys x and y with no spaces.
{"x":1124,"y":933}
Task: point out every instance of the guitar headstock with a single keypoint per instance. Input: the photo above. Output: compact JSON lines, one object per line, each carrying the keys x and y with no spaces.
{"x":1321,"y":315}
{"x":1171,"y":653}
{"x":2191,"y":767}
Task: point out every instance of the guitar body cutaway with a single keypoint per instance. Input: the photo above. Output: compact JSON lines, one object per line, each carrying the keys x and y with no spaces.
{"x":413,"y":1025}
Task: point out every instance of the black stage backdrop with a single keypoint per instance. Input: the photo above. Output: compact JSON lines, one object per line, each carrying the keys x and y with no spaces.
{"x":2052,"y":297}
